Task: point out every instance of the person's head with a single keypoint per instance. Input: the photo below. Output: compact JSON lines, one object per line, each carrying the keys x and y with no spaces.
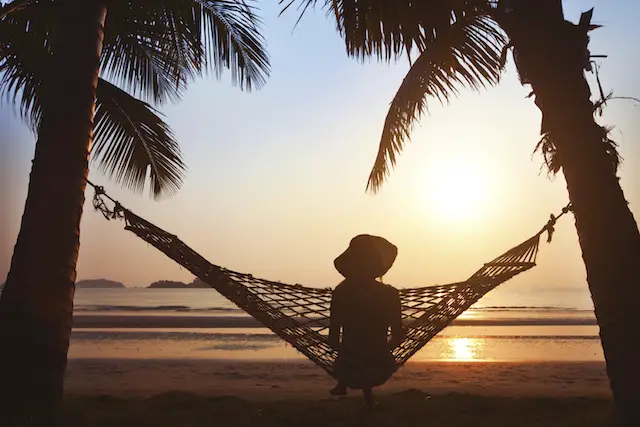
{"x":367,"y":257}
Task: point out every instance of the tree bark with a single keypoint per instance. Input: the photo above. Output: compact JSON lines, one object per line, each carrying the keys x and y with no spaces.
{"x":552,"y":56}
{"x":36,"y":305}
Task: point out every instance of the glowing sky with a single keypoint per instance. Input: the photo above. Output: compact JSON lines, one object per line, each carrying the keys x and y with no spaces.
{"x":276,"y":177}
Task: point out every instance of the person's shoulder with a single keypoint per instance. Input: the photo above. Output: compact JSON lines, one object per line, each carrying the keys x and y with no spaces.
{"x":340,"y":286}
{"x":391,"y":290}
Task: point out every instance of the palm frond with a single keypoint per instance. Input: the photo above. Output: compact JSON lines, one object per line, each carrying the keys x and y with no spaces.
{"x":547,"y":147}
{"x":389,"y":30}
{"x":24,"y":54}
{"x":553,"y":160}
{"x":143,"y":53}
{"x":468,"y":54}
{"x":232,"y":40}
{"x":142,"y":66}
{"x":156,"y":47}
{"x":131,"y":142}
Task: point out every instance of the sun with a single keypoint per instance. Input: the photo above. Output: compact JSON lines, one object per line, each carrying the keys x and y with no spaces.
{"x":456,"y":191}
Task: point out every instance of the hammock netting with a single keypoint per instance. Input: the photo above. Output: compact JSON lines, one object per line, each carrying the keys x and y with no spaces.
{"x":300,"y":315}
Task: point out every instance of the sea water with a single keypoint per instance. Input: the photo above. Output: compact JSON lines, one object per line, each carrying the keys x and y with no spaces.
{"x":538,"y":325}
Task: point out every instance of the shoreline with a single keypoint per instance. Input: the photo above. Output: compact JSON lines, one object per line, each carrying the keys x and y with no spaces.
{"x":102,"y":321}
{"x":299,"y":380}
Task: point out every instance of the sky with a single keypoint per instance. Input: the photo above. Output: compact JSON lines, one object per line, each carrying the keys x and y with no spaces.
{"x":276,"y":177}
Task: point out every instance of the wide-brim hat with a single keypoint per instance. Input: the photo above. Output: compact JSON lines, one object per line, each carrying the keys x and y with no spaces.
{"x":366,"y":257}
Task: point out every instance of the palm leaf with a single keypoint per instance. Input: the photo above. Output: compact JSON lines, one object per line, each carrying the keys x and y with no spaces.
{"x":24,"y":54}
{"x":390,"y":29}
{"x":20,"y":87}
{"x":232,"y":41}
{"x":142,"y":52}
{"x":467,"y":54}
{"x":139,"y":60}
{"x":156,"y":47}
{"x":553,"y":161}
{"x":458,"y":43}
{"x":132,"y":142}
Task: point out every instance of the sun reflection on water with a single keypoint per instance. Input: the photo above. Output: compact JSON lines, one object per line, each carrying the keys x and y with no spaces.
{"x":465,"y":349}
{"x":470,"y":314}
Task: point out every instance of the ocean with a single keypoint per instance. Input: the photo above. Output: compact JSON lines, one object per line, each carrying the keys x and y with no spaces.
{"x":135,"y":323}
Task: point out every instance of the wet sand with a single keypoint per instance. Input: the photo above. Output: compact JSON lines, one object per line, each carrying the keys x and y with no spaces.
{"x":286,"y":380}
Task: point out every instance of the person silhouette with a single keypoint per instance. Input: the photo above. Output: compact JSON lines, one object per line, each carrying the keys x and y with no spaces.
{"x":362,"y":311}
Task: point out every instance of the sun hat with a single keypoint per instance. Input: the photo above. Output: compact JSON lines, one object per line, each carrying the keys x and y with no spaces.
{"x":367,"y":257}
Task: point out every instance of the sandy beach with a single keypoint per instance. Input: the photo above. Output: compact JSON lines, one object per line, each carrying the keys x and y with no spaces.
{"x":167,"y":358}
{"x":226,"y":393}
{"x":272,"y":380}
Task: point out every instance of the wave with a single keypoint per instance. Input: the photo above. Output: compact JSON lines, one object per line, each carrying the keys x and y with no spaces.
{"x":148,"y":308}
{"x":270,"y":339}
{"x":210,"y":341}
{"x":527,"y":308}
{"x":181,"y":335}
{"x":187,"y":309}
{"x":150,"y":321}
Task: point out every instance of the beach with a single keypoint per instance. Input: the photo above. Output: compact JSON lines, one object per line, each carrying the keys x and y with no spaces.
{"x":164,"y":392}
{"x":169,"y":357}
{"x":272,"y":380}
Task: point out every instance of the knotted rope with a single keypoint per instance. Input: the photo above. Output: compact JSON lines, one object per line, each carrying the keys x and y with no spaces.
{"x":549,"y":228}
{"x":117,"y":212}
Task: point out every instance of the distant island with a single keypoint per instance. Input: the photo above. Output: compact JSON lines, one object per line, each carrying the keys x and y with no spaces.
{"x":170,"y":284}
{"x":98,"y":284}
{"x":160,"y":284}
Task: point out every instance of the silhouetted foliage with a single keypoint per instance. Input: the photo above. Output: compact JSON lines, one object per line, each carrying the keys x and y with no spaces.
{"x":150,"y":50}
{"x":458,"y":43}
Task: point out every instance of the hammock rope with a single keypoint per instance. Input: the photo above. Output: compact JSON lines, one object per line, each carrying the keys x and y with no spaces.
{"x":299,"y":314}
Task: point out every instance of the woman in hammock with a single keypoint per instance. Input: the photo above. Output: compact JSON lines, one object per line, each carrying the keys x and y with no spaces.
{"x":364,"y":309}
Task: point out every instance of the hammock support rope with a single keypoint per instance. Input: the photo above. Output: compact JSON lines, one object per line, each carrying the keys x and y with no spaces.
{"x":299,"y":314}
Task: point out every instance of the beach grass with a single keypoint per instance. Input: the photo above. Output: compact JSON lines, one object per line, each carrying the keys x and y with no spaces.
{"x":407,"y":408}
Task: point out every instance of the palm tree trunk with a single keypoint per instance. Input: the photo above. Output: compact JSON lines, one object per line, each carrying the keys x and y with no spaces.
{"x":36,"y":306}
{"x":552,"y":56}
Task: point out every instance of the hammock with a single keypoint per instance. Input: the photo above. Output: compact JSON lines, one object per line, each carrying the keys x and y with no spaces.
{"x":299,"y":315}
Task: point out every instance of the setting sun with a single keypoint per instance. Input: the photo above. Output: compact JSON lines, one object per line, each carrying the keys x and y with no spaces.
{"x":456,"y":191}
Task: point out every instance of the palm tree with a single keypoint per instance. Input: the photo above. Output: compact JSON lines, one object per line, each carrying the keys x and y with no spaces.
{"x":60,"y":61}
{"x":464,"y":43}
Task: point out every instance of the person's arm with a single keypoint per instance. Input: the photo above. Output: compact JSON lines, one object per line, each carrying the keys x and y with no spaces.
{"x":397,"y":331}
{"x":335,"y":324}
